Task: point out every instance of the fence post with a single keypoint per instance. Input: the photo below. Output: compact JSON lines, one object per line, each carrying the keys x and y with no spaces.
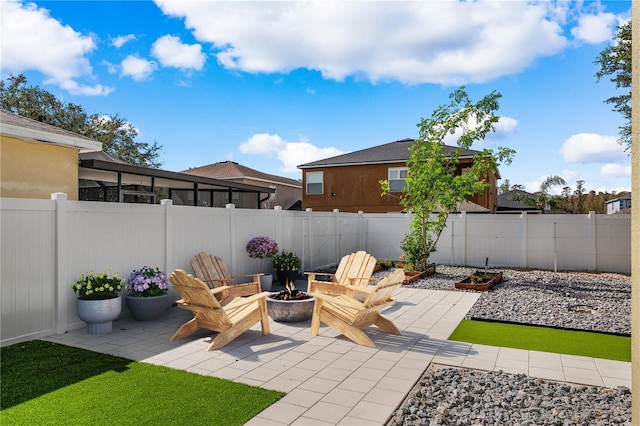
{"x":169,"y":265}
{"x":232,"y":236}
{"x":337,"y":242}
{"x":362,"y":232}
{"x":61,"y":261}
{"x":593,"y":242}
{"x":306,"y":243}
{"x":463,"y":216}
{"x":523,"y":241}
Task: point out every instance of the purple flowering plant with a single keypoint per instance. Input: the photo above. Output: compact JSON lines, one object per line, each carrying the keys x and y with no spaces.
{"x":148,"y":282}
{"x":261,"y":248}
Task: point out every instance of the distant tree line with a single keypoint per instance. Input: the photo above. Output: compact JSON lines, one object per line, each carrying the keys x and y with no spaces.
{"x":116,"y":133}
{"x":575,"y":201}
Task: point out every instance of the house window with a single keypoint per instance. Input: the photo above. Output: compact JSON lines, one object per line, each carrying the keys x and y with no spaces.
{"x":314,"y":183}
{"x":397,"y":176}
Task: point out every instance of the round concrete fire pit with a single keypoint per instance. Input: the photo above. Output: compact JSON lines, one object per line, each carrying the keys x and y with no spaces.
{"x":290,"y":310}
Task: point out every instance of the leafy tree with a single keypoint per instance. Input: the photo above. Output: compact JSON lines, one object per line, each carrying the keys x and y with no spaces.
{"x":615,"y":61}
{"x":116,"y":134}
{"x":506,"y":186}
{"x":541,"y":198}
{"x":434,"y":187}
{"x":579,"y":197}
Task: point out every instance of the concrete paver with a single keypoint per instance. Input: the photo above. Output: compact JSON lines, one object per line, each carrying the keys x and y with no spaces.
{"x":328,"y":378}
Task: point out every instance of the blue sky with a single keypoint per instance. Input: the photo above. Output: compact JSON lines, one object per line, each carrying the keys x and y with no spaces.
{"x":272,"y":85}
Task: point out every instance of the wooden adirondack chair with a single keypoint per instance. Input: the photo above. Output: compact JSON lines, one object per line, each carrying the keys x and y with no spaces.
{"x":350,"y":316}
{"x":354,"y":269}
{"x":230,"y":321}
{"x":212,"y":271}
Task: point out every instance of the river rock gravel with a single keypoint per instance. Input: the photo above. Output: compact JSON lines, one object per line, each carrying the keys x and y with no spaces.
{"x":456,"y":396}
{"x":573,"y":300}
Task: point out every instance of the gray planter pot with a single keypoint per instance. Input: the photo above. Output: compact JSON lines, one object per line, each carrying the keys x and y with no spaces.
{"x":266,"y":281}
{"x":99,"y":314}
{"x":147,"y":308}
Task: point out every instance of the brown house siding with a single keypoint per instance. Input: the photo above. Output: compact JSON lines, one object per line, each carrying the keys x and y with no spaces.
{"x":356,"y":188}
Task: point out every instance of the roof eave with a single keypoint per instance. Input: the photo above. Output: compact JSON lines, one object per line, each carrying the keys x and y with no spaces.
{"x":82,"y":144}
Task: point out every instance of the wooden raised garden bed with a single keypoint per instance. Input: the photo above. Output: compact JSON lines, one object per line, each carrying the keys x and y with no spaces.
{"x":411,"y":276}
{"x":480,"y":281}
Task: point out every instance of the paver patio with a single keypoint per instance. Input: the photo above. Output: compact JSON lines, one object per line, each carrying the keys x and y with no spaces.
{"x":328,"y":378}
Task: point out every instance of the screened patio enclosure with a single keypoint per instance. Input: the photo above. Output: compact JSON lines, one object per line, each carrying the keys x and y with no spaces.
{"x":104,"y":178}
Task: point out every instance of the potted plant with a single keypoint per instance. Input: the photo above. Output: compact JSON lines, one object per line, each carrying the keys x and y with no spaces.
{"x":99,"y":301}
{"x":148,"y":293}
{"x":287,"y":264}
{"x":262,"y":248}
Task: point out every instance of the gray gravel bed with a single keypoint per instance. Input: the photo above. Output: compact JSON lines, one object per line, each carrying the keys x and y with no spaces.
{"x":455,"y":396}
{"x":573,"y":300}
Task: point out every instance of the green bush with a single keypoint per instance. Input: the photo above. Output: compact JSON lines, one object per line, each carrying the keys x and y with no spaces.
{"x":286,"y":261}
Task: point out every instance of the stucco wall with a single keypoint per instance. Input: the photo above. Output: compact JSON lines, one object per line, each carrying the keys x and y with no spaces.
{"x":36,"y":170}
{"x":357,"y":188}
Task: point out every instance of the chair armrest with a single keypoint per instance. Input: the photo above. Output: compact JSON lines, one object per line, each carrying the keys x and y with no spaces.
{"x":221,"y":289}
{"x":369,"y":279}
{"x":242,"y":301}
{"x":341,"y":300}
{"x":311,"y":276}
{"x":244,"y":289}
{"x":256,"y":277}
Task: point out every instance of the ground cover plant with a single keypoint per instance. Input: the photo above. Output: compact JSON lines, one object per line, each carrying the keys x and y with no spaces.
{"x":545,"y":339}
{"x":48,"y":383}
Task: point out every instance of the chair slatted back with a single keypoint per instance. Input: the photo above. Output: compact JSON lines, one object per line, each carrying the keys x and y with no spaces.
{"x":355,"y":269}
{"x":197,"y":297}
{"x":211,"y":269}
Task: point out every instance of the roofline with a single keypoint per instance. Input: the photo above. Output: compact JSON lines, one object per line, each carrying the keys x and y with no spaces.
{"x":275,"y":182}
{"x":83,"y":144}
{"x":363,"y":163}
{"x":146,"y":171}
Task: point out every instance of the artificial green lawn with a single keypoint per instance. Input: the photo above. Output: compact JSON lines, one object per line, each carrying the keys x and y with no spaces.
{"x":545,"y":339}
{"x":47,"y":383}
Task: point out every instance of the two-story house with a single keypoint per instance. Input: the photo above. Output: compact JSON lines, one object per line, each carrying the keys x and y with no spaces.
{"x":351,"y":182}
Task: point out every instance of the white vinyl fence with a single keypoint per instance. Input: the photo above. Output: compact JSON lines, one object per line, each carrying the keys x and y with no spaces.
{"x":47,"y":244}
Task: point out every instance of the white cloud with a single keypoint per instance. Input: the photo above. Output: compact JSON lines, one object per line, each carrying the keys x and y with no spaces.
{"x":411,"y":42}
{"x":171,"y":52}
{"x":33,"y":40}
{"x":296,"y":153}
{"x":137,"y":68}
{"x":119,"y":41}
{"x":262,"y":143}
{"x":504,"y":126}
{"x":595,"y":29}
{"x":290,"y":154}
{"x":615,"y":170}
{"x":592,"y":148}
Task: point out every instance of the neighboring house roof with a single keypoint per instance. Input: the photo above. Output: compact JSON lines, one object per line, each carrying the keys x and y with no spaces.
{"x":392,"y":152}
{"x":626,"y":196}
{"x":506,"y":203}
{"x":23,"y":127}
{"x":231,"y":170}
